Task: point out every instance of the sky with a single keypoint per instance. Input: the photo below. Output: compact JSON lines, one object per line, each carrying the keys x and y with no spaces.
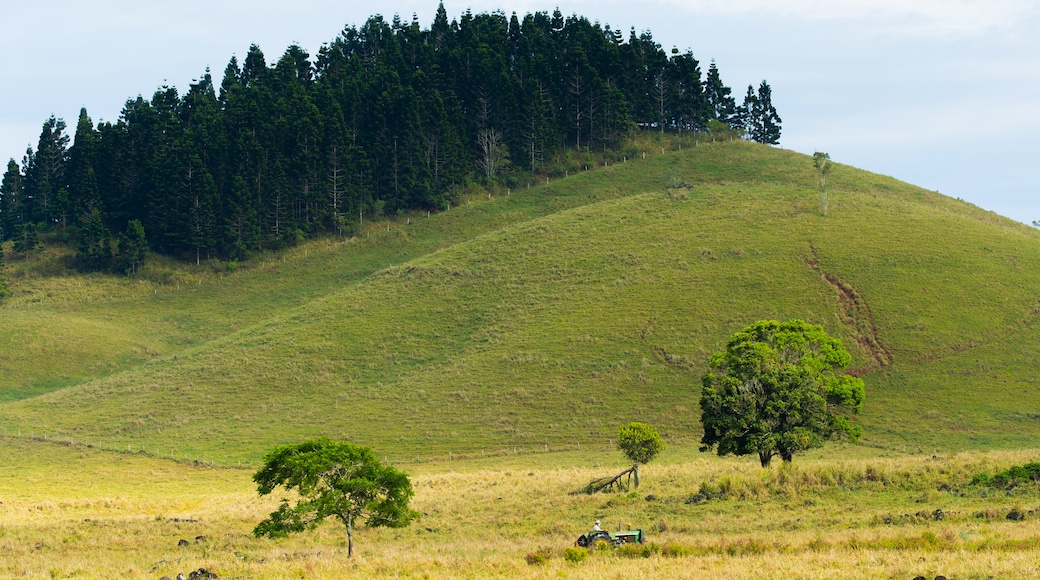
{"x":944,"y":94}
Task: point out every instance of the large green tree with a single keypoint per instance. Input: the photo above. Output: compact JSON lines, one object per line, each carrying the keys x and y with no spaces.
{"x":776,"y":390}
{"x":332,"y":479}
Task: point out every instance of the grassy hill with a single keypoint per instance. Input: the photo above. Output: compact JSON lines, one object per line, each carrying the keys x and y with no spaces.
{"x":544,"y":318}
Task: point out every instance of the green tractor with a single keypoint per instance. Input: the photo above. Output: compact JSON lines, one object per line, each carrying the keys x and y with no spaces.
{"x":614,"y":539}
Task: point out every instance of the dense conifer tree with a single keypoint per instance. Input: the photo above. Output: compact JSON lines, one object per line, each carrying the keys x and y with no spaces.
{"x":386,"y":117}
{"x":45,"y":173}
{"x":720,"y":102}
{"x":83,"y":196}
{"x":12,"y":201}
{"x":761,"y":121}
{"x":132,"y":248}
{"x":95,"y":244}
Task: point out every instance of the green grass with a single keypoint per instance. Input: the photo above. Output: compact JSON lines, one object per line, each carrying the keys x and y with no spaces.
{"x":71,"y":511}
{"x":545,"y":317}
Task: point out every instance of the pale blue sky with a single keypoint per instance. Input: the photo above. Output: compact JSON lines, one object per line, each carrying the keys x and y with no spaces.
{"x":944,"y":94}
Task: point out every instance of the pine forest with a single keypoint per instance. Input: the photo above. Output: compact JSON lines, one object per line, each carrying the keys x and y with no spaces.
{"x":388,"y":117}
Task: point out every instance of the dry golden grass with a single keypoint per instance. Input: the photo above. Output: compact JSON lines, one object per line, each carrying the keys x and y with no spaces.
{"x":71,"y":512}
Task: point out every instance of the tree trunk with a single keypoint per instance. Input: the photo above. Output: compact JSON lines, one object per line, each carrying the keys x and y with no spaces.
{"x":764,"y":457}
{"x":350,"y":537}
{"x":635,"y":473}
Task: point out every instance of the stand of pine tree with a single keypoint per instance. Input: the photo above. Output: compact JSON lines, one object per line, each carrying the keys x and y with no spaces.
{"x":387,"y":117}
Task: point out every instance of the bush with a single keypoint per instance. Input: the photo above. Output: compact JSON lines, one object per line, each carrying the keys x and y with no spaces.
{"x":575,"y":554}
{"x":1010,"y":478}
{"x":637,"y":550}
{"x":539,"y":556}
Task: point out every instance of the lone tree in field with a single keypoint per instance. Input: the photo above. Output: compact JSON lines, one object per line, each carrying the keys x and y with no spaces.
{"x":822,"y":163}
{"x":640,"y":443}
{"x":774,"y":391}
{"x":332,"y":479}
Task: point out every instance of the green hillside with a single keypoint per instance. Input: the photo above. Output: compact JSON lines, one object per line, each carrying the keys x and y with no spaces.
{"x":546,"y":317}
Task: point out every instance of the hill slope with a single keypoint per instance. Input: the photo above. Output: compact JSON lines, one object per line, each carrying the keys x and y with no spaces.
{"x":550,"y":316}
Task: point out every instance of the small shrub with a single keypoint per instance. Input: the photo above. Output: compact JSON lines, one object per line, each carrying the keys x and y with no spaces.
{"x":538,"y":557}
{"x":637,"y":550}
{"x":674,"y":181}
{"x":575,"y":554}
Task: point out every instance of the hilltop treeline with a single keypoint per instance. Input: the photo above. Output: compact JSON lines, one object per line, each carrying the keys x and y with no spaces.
{"x":386,"y":117}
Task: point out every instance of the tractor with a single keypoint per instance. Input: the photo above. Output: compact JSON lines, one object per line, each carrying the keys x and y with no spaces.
{"x":614,"y":539}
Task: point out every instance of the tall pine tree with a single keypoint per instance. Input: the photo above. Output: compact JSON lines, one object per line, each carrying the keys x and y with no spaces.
{"x":720,"y":102}
{"x":761,"y":121}
{"x":12,"y":201}
{"x":45,"y":173}
{"x":83,"y":195}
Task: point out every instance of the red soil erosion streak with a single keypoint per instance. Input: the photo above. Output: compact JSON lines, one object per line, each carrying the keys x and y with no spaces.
{"x":855,"y":313}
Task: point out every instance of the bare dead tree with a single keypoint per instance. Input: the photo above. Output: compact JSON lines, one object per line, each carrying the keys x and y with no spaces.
{"x":336,"y":191}
{"x":619,"y":482}
{"x":489,"y":141}
{"x":577,"y":89}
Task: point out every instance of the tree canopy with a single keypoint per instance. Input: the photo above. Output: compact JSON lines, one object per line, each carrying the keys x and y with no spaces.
{"x":774,"y":390}
{"x":822,"y":164}
{"x":640,"y":443}
{"x":386,"y":117}
{"x":333,"y":479}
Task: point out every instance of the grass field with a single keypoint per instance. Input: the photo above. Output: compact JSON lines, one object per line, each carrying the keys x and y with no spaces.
{"x":492,"y":350}
{"x":73,"y":512}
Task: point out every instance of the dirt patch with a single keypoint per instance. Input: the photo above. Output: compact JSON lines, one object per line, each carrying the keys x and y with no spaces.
{"x":854,"y":313}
